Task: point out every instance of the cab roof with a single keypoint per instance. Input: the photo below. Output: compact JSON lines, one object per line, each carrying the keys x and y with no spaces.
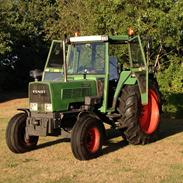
{"x":101,"y":38}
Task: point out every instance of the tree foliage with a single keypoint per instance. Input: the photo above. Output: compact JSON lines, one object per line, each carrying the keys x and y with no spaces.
{"x":22,"y":39}
{"x":27,"y":27}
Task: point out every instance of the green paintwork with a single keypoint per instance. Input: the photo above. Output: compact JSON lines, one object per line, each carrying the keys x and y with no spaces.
{"x":124,"y":76}
{"x":144,"y":96}
{"x":77,"y":86}
{"x":64,"y":93}
{"x":131,"y":80}
{"x":118,"y":38}
{"x":106,"y":81}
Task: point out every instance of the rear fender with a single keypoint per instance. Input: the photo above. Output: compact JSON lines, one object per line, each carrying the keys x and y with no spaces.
{"x":126,"y":78}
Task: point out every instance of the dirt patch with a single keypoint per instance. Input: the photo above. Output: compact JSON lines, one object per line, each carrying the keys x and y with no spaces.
{"x":9,"y":108}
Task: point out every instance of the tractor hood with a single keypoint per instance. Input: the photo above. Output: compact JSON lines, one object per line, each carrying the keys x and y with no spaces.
{"x":58,"y":96}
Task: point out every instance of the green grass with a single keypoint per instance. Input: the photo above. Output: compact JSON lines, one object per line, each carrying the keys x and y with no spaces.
{"x":161,"y":161}
{"x":62,"y":180}
{"x":53,"y":161}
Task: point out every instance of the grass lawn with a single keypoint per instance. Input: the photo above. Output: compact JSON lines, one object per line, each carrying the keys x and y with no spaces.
{"x":53,"y":162}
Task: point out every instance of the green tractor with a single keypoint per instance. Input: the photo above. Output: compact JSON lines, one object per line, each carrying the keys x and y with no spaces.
{"x":89,"y":81}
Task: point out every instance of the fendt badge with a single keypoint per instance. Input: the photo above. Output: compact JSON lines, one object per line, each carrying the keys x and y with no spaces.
{"x":38,"y":91}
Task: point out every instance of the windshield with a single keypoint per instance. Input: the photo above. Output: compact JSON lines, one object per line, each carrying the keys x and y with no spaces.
{"x":86,"y":58}
{"x":55,"y":59}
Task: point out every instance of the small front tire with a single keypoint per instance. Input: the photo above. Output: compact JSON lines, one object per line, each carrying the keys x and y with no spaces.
{"x":15,"y":135}
{"x":87,"y":138}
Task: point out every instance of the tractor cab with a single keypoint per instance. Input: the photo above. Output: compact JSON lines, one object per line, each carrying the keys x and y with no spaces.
{"x":107,"y":60}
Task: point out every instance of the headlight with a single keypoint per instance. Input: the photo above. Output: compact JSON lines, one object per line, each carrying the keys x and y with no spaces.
{"x":33,"y":106}
{"x":48,"y":107}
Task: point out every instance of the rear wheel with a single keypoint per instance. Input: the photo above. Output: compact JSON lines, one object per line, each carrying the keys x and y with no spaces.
{"x":153,"y":84}
{"x":141,"y":122}
{"x":87,"y":138}
{"x":15,"y":135}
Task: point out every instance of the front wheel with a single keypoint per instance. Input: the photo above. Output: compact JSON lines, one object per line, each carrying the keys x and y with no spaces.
{"x":15,"y":135}
{"x":87,"y":138}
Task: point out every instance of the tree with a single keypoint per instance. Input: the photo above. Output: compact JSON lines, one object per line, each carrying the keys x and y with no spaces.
{"x":27,"y":27}
{"x":23,"y":44}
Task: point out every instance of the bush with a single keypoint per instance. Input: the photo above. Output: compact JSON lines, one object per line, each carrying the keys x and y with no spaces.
{"x":171,"y":85}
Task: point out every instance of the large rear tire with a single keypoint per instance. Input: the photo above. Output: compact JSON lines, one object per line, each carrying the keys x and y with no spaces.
{"x":87,"y":138}
{"x":141,"y":122}
{"x":15,"y":135}
{"x":153,"y":84}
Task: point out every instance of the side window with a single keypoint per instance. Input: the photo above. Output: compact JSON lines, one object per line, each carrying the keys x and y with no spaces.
{"x":113,"y":68}
{"x":138,"y":63}
{"x":120,"y":52}
{"x":137,"y":59}
{"x":55,"y":59}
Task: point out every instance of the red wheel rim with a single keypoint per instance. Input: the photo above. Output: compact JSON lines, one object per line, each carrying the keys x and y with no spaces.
{"x":149,"y":116}
{"x":93,"y":140}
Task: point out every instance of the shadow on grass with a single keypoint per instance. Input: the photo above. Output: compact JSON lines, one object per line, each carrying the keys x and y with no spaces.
{"x":10,"y":95}
{"x":51,"y":143}
{"x":169,"y":127}
{"x":113,"y":146}
{"x":108,"y":145}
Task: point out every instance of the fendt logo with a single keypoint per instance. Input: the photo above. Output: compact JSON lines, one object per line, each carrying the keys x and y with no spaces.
{"x":38,"y":91}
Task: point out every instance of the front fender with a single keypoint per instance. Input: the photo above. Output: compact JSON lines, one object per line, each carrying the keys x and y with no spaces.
{"x":26,"y":110}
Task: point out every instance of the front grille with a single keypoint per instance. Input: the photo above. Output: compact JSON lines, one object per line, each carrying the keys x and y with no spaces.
{"x":75,"y":93}
{"x":39,"y":93}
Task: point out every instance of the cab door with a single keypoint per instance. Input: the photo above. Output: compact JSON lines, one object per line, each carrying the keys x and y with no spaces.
{"x":54,"y":64}
{"x":139,"y":66}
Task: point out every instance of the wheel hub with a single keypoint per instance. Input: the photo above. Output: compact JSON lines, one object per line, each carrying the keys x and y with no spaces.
{"x":93,"y":140}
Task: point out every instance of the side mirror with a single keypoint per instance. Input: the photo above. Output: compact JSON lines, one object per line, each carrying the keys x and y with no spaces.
{"x":36,"y":74}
